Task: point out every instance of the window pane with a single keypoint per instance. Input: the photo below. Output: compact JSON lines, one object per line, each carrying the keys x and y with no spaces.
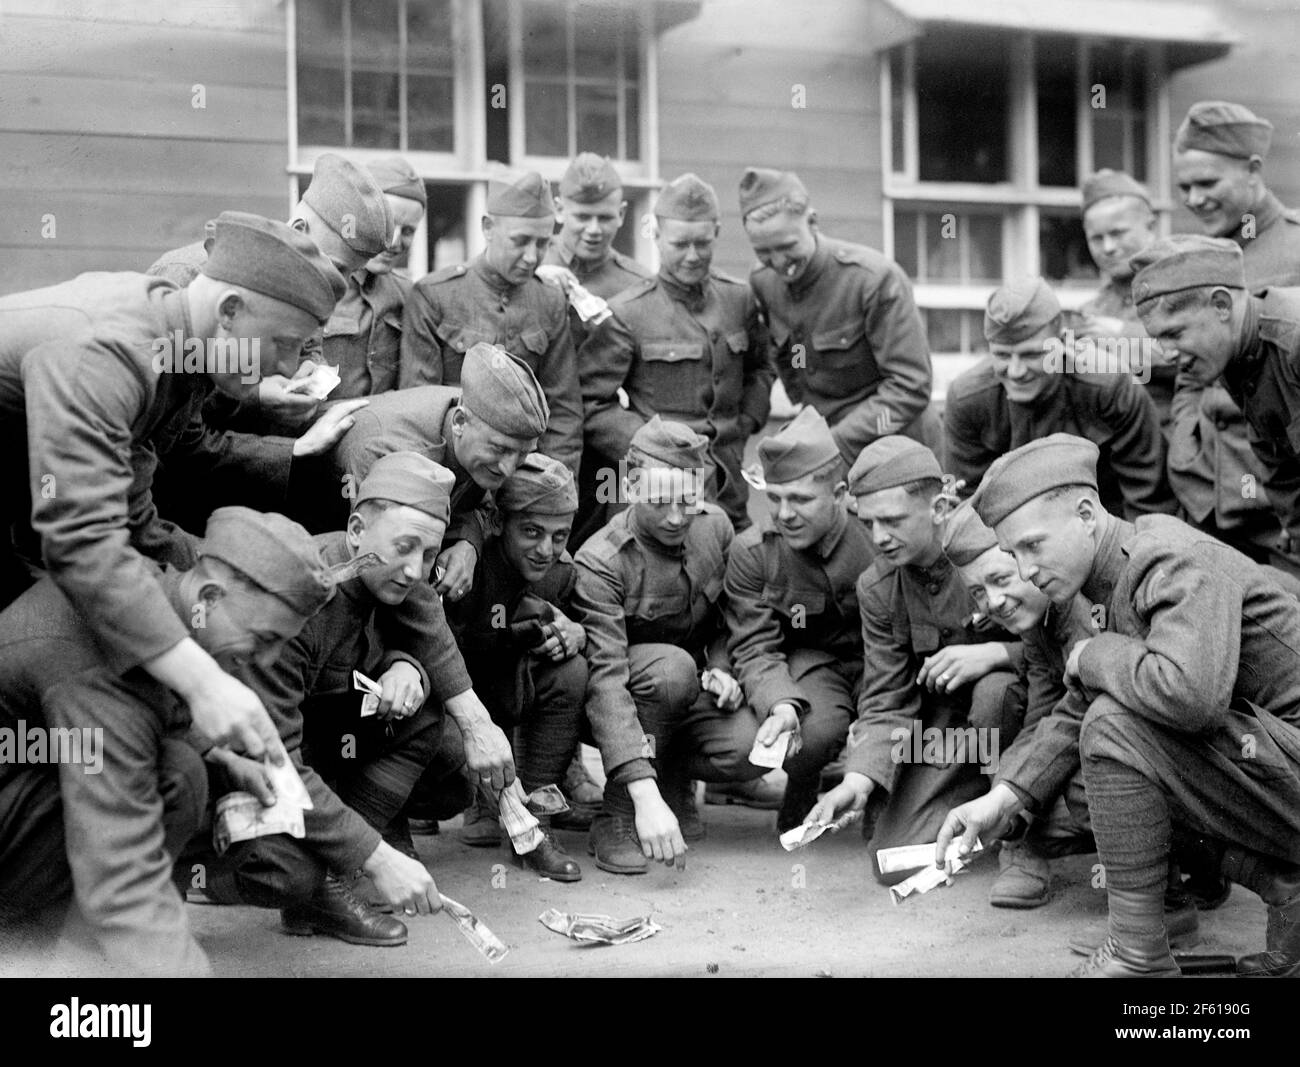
{"x":430,"y":111}
{"x":1057,"y":114}
{"x":985,"y":248}
{"x":944,"y":330}
{"x":896,"y":130}
{"x":1108,"y":141}
{"x":905,"y":241}
{"x":320,"y":72}
{"x":1064,"y":249}
{"x":374,"y":34}
{"x":631,"y":50}
{"x":320,"y":105}
{"x":596,"y":116}
{"x":375,"y":119}
{"x":429,"y":44}
{"x":632,"y":106}
{"x":942,"y":247}
{"x":596,"y":32}
{"x":545,"y":51}
{"x":546,"y":123}
{"x":975,"y":340}
{"x":961,"y":89}
{"x":1138,"y":164}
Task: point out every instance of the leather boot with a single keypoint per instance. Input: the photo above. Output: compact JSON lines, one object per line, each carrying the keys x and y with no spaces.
{"x":482,"y":825}
{"x":1182,"y":927}
{"x":799,"y":800}
{"x":613,"y":840}
{"x":679,"y":794}
{"x":1129,"y":955}
{"x":1023,"y":877}
{"x":582,"y":793}
{"x":550,"y":860}
{"x":336,"y":911}
{"x":1278,"y":885}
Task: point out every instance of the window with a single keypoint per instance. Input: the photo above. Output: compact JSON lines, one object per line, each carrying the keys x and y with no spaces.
{"x":376,"y":74}
{"x":990,"y":135}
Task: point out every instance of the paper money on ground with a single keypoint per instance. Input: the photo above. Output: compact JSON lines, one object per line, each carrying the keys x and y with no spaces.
{"x":599,"y":929}
{"x":476,"y":933}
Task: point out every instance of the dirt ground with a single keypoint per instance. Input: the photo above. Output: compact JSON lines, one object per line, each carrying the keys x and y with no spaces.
{"x":743,"y":907}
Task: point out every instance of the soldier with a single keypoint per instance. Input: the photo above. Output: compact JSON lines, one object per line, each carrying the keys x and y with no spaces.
{"x":363,"y":336}
{"x":925,"y":661}
{"x":583,"y":263}
{"x":1197,"y":664}
{"x":846,"y":334}
{"x":387,"y":623}
{"x":686,"y":345}
{"x":1219,"y":154}
{"x":496,"y":298}
{"x":479,"y":430}
{"x":1118,"y":222}
{"x":257,"y":580}
{"x":794,"y":632}
{"x":521,"y":648}
{"x":649,"y":596}
{"x":100,"y":375}
{"x":1192,"y":295}
{"x":349,"y":219}
{"x":1025,"y":389}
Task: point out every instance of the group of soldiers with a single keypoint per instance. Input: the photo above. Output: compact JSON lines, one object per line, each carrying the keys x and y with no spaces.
{"x":522,"y":521}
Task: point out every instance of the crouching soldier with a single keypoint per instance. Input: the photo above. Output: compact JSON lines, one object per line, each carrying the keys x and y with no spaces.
{"x":1197,"y":664}
{"x":939,"y":693}
{"x":111,"y":832}
{"x":522,"y":650}
{"x":792,"y":607}
{"x":387,"y":623}
{"x":649,"y":594}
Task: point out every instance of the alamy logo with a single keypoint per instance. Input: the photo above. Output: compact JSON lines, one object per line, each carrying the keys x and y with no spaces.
{"x":76,"y":1019}
{"x":39,"y":745}
{"x":179,"y":354}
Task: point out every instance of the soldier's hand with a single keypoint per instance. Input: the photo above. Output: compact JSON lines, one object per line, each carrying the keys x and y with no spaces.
{"x":402,"y":694}
{"x":849,"y":796}
{"x":228,"y":713}
{"x":487,"y":753}
{"x":554,"y":274}
{"x":987,"y":817}
{"x":565,"y":640}
{"x":402,"y":882}
{"x":293,"y":408}
{"x":727,"y":694}
{"x":1072,"y":663}
{"x":248,"y":775}
{"x":457,"y":570}
{"x":957,"y":665}
{"x":326,"y":431}
{"x":783,"y":717}
{"x":656,"y":826}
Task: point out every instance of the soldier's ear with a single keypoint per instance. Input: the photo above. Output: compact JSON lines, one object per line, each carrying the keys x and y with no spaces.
{"x":229,"y":304}
{"x":210,"y":592}
{"x":486,"y":225}
{"x":356,"y":527}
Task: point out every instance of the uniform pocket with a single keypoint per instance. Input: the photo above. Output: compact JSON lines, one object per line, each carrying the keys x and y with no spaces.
{"x":673,"y":378}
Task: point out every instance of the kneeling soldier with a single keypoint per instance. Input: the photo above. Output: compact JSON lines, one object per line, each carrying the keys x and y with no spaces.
{"x":932,"y":678}
{"x":649,"y":594}
{"x":521,"y":649}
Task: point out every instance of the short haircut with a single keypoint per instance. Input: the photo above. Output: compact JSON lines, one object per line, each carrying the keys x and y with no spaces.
{"x":929,"y":488}
{"x":833,"y":471}
{"x":794,"y":204}
{"x":210,"y":567}
{"x":1196,"y":297}
{"x":1052,"y":496}
{"x":371,"y":509}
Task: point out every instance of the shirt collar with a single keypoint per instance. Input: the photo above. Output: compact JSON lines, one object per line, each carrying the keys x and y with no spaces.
{"x":1109,"y":561}
{"x":490,"y":276}
{"x":816,"y":265}
{"x":825,"y":548}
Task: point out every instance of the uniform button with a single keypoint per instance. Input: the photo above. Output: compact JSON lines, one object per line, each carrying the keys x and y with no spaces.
{"x":945,"y":633}
{"x":932,"y":588}
{"x":1220,"y":424}
{"x":717,"y":378}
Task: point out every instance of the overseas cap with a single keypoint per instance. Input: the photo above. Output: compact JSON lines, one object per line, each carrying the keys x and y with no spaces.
{"x":590,"y":178}
{"x":965,"y":537}
{"x":395,"y":175}
{"x":673,"y":444}
{"x":351,"y":203}
{"x":412,"y":479}
{"x":503,"y":391}
{"x":1018,"y":311}
{"x":1031,"y":470}
{"x":526,"y":197}
{"x":1107,"y":183}
{"x":1226,"y":129}
{"x":688,"y":198}
{"x":273,"y":552}
{"x":889,"y":462}
{"x":1186,"y":261}
{"x":759,"y":186}
{"x":270,"y":258}
{"x":801,"y":446}
{"x":540,"y":484}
